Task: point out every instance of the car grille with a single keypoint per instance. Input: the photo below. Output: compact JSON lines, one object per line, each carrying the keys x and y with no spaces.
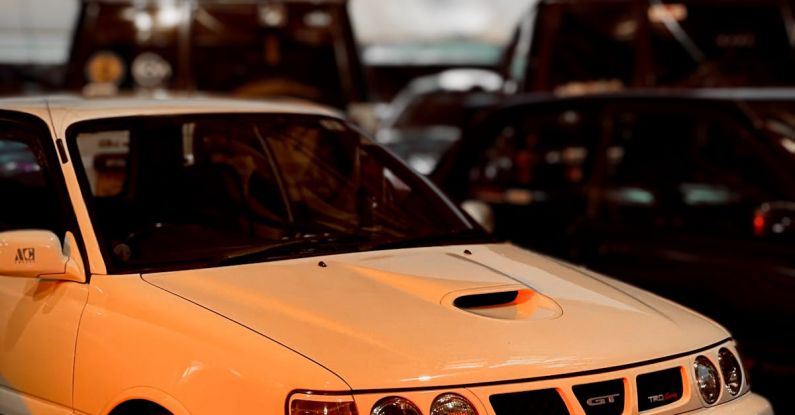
{"x":655,"y":389}
{"x":601,"y":398}
{"x":538,"y":402}
{"x":659,"y":388}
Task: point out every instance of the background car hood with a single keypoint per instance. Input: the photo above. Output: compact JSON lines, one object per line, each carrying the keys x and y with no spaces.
{"x":387,"y":319}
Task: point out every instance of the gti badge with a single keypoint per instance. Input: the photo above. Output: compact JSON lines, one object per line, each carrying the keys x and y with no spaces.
{"x":602,"y":400}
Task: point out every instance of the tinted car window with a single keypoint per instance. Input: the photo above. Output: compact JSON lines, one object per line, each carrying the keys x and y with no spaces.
{"x":589,"y":44}
{"x":735,"y":43}
{"x":687,"y":170}
{"x":29,"y":201}
{"x":603,"y":45}
{"x":543,"y":150}
{"x":534,"y":170}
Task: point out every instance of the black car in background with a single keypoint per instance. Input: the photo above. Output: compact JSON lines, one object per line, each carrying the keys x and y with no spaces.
{"x":426,"y":117}
{"x":582,"y":46}
{"x":247,"y":48}
{"x":688,"y":194}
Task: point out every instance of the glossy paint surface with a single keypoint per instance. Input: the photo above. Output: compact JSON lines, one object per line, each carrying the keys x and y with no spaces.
{"x":384,"y":315}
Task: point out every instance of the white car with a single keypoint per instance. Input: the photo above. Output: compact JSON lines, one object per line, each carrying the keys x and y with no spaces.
{"x":224,"y":257}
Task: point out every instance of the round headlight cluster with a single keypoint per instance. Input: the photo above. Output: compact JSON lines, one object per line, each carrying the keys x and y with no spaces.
{"x":707,"y":379}
{"x":395,"y":405}
{"x":452,"y":404}
{"x":731,"y":371}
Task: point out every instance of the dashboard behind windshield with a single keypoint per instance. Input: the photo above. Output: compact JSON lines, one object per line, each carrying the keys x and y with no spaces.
{"x":177,"y":191}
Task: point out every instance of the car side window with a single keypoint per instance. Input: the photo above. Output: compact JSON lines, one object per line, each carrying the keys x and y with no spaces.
{"x":588,"y":46}
{"x":688,"y":171}
{"x":539,"y":152}
{"x":28,"y":198}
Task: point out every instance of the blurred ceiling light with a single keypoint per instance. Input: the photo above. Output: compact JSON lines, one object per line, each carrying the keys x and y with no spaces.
{"x":660,"y":13}
{"x":788,"y":144}
{"x":273,"y":15}
{"x":626,"y":30}
{"x":317,"y":18}
{"x":169,"y":15}
{"x":143,"y":21}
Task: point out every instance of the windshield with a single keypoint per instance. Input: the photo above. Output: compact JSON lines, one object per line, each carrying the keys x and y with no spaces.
{"x":202,"y":190}
{"x":598,"y":45}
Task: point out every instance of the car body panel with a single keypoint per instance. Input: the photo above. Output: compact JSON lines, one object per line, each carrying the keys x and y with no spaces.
{"x":43,"y":320}
{"x":139,"y":336}
{"x":385,"y":312}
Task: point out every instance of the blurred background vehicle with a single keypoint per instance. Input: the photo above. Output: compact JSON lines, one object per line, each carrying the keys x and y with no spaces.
{"x":690,"y":195}
{"x":576,"y":46}
{"x":299,"y":49}
{"x":426,"y":117}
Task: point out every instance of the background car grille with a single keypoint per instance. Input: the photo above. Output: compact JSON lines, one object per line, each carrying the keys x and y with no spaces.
{"x":659,"y":388}
{"x":539,"y":402}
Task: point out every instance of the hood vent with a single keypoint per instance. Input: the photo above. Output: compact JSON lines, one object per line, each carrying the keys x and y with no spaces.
{"x":517,"y":304}
{"x":486,"y":300}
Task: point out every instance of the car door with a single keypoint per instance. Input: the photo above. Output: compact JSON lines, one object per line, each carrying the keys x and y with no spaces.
{"x":38,"y":318}
{"x":684,"y":184}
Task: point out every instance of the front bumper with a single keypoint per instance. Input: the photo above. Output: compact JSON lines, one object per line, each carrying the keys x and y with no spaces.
{"x":559,"y":393}
{"x":748,"y":404}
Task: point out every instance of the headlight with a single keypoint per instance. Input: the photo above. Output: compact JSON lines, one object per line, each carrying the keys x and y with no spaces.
{"x":452,"y":404}
{"x":731,"y":370}
{"x":707,"y":379}
{"x":395,"y":406}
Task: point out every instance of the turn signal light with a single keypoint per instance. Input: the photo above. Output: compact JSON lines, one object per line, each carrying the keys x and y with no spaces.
{"x":304,"y":407}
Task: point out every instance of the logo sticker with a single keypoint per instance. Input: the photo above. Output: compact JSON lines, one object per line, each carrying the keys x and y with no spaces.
{"x":670,"y":396}
{"x":25,"y":256}
{"x":602,"y":400}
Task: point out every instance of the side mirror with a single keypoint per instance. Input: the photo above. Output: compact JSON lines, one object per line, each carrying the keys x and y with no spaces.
{"x":481,"y":212}
{"x":775,"y":219}
{"x":38,"y":254}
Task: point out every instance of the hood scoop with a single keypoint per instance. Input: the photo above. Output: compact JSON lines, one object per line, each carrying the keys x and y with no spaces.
{"x":520,"y":303}
{"x":486,"y":299}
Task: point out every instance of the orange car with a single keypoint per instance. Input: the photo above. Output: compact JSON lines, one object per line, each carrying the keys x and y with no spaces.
{"x":223,"y":257}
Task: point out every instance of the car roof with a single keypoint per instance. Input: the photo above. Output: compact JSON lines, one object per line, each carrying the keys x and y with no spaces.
{"x":727,"y":95}
{"x":64,"y":110}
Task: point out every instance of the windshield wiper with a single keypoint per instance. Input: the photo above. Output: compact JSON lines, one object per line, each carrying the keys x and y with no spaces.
{"x":303,"y":245}
{"x":449,"y":238}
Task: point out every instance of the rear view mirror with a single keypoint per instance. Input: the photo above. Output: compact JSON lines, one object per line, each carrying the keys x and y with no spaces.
{"x":38,"y":254}
{"x":775,"y":219}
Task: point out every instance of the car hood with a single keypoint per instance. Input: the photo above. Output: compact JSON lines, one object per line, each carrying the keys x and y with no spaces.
{"x":419,"y":317}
